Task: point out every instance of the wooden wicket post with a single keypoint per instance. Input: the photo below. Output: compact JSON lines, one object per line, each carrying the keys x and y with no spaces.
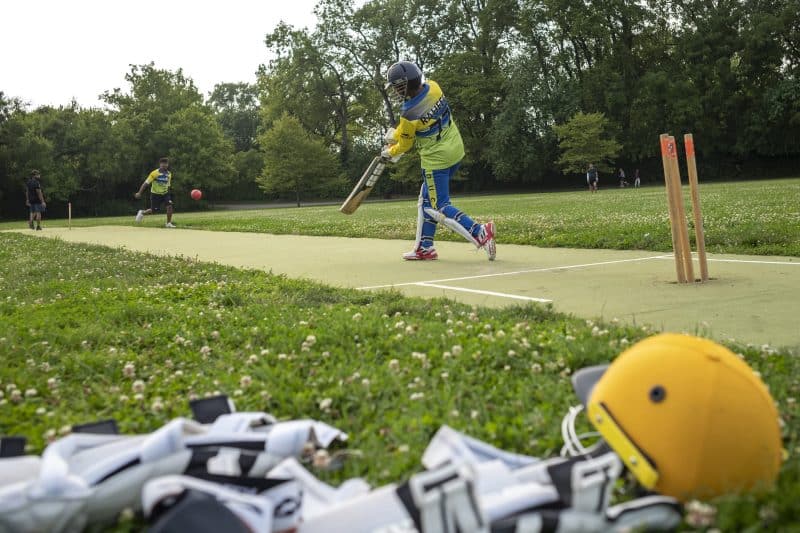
{"x":683,"y":226}
{"x":69,"y":215}
{"x":672,"y":206}
{"x":699,"y":231}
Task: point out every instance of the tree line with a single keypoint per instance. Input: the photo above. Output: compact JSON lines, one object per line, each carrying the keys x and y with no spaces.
{"x":519,"y":75}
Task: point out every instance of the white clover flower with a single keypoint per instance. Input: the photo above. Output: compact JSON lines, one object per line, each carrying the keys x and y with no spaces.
{"x":112,"y":350}
{"x":446,"y":355}
{"x":394,"y":364}
{"x":264,"y":351}
{"x":699,"y":514}
{"x":512,"y":353}
{"x":444,"y":375}
{"x":138,"y":397}
{"x":365,"y":382}
{"x":474,"y":414}
{"x":357,"y":316}
{"x":325,"y":404}
{"x":215,"y":334}
{"x":205,"y":350}
{"x":457,"y":350}
{"x":569,"y":338}
{"x":399,"y":325}
{"x":326,"y":354}
{"x":536,"y":368}
{"x":245,"y":381}
{"x":507,"y":368}
{"x":50,"y":435}
{"x":403,"y":448}
{"x":41,"y":411}
{"x":157,"y":405}
{"x":30,"y":393}
{"x":282,"y":356}
{"x":123,"y":398}
{"x":454,"y":413}
{"x":65,"y":430}
{"x":500,"y":334}
{"x":129,"y":370}
{"x":138,"y":386}
{"x":238,"y":392}
{"x":417,"y":395}
{"x":311,"y":340}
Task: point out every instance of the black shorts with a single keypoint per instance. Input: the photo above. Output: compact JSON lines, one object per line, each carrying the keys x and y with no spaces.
{"x":159,"y":200}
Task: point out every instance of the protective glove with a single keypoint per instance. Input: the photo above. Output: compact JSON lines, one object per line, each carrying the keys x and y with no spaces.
{"x":385,"y":154}
{"x":389,"y":137}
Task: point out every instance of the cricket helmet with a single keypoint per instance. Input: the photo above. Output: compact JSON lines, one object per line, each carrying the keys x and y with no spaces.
{"x":688,"y":417}
{"x":402,"y":78}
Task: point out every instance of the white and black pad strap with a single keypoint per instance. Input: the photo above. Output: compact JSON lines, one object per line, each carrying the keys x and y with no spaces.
{"x":261,"y":504}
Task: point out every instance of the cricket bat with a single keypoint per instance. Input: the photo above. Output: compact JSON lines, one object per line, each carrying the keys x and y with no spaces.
{"x":364,"y":186}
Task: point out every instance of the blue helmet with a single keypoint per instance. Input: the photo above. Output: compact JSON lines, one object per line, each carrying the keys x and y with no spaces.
{"x":403,"y":78}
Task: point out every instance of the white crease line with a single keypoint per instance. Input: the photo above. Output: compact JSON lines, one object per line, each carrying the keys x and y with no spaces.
{"x":791,"y":263}
{"x":548,"y":269}
{"x":485,"y":293}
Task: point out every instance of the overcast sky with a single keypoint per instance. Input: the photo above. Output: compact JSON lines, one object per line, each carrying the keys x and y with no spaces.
{"x":54,"y":50}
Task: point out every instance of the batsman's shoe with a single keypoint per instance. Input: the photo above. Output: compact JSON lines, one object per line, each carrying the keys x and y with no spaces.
{"x":486,"y":240}
{"x":139,"y":215}
{"x":170,"y":225}
{"x":421,"y":254}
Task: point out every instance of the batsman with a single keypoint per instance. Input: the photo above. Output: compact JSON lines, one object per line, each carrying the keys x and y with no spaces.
{"x":425,"y":119}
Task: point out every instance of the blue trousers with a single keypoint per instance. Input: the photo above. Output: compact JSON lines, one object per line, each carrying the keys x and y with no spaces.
{"x":436,"y":194}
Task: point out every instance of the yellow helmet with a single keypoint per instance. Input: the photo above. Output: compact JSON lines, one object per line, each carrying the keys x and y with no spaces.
{"x":688,"y":417}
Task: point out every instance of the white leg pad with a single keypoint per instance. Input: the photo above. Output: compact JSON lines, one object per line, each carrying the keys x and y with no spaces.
{"x":420,"y":221}
{"x":452,"y":224}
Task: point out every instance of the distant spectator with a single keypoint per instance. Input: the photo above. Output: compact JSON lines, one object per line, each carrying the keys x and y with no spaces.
{"x":592,"y":178}
{"x":622,"y":181}
{"x":636,"y":181}
{"x":34,"y":199}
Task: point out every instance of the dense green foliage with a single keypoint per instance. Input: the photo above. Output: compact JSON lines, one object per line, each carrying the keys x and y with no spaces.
{"x":754,"y":217}
{"x":513,"y":70}
{"x":295,"y":161}
{"x":584,"y":140}
{"x":89,"y":333}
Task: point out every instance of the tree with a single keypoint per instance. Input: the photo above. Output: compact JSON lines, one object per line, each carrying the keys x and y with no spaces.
{"x":585,"y":139}
{"x":236,"y":107}
{"x":164,"y":115}
{"x":295,"y":160}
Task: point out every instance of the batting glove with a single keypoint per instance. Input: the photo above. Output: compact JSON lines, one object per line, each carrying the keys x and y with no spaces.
{"x":385,"y":154}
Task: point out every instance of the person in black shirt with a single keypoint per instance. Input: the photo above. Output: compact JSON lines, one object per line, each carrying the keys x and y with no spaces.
{"x":34,"y":199}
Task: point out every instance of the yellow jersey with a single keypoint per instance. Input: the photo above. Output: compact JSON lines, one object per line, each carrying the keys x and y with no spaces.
{"x":159,"y":181}
{"x":426,"y":120}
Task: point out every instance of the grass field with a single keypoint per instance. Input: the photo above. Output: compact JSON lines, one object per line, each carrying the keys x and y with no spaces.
{"x":88,"y":333}
{"x":755,"y":217}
